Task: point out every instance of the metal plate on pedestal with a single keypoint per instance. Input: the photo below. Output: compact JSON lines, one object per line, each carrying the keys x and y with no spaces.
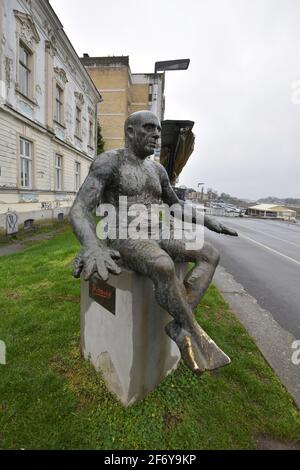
{"x":103,"y":294}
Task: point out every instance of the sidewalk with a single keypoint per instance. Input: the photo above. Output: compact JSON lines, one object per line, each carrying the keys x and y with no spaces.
{"x":17,"y":245}
{"x":273,"y":341}
{"x":11,"y":248}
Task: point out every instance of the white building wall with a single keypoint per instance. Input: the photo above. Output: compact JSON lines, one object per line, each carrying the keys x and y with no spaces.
{"x":8,"y":151}
{"x":55,"y":61}
{"x":45,"y":150}
{"x":157,"y":82}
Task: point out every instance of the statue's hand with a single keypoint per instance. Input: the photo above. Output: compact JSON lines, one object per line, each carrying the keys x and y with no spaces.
{"x":219,"y":228}
{"x":98,"y":260}
{"x":228,"y":231}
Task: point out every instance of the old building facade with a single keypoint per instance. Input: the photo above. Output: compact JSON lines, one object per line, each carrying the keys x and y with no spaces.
{"x":123,"y":92}
{"x":48,"y":115}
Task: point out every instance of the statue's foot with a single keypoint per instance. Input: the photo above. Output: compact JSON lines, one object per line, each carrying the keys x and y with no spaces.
{"x":197,"y":349}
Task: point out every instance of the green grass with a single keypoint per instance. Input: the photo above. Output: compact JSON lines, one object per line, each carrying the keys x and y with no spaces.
{"x":50,"y":398}
{"x":24,"y":236}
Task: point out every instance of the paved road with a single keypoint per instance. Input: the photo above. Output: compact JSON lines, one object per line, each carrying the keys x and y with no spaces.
{"x":265,"y":259}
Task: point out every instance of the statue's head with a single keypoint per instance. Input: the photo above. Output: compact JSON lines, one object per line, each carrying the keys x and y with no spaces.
{"x":142,"y":131}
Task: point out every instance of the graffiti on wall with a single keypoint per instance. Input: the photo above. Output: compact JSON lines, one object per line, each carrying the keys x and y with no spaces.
{"x":50,"y":204}
{"x":11,"y":223}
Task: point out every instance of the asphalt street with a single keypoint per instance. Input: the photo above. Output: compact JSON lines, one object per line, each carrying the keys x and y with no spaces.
{"x":265,"y":259}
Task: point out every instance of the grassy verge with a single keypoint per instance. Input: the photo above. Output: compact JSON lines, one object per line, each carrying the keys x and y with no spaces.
{"x":50,"y":398}
{"x":41,"y":228}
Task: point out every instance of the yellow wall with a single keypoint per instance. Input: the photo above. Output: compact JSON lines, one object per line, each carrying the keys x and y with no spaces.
{"x":139,"y":97}
{"x":109,"y":77}
{"x":120,"y":98}
{"x":112,"y":83}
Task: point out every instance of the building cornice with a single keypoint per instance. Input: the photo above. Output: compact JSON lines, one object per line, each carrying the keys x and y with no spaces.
{"x":28,"y":29}
{"x":7,"y":108}
{"x":61,"y":75}
{"x":14,"y":190}
{"x":44,"y":130}
{"x":74,"y":149}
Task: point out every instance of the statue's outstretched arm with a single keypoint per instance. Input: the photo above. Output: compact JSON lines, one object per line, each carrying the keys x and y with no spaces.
{"x":170,"y":198}
{"x":215,"y":226}
{"x":95,"y":256}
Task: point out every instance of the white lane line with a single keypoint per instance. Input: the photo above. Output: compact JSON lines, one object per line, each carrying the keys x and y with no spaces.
{"x":277,"y":238}
{"x":267,"y":234}
{"x":270,"y":249}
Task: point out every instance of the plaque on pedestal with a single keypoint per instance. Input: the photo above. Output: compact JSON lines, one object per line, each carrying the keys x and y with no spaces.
{"x":122,"y":333}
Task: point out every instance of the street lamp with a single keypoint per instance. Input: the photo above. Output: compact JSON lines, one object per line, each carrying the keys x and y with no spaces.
{"x":200,"y":184}
{"x":164,"y":66}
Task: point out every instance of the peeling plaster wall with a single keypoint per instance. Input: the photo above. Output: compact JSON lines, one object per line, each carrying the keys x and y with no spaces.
{"x":55,"y":61}
{"x":1,"y":51}
{"x":61,"y":60}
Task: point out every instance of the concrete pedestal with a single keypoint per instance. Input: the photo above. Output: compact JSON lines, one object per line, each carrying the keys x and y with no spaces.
{"x":122,"y":334}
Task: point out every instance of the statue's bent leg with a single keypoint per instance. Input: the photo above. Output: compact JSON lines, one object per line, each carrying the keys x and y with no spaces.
{"x":198,"y":350}
{"x":199,"y":277}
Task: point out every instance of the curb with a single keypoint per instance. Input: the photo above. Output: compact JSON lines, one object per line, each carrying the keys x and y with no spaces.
{"x":272,"y":340}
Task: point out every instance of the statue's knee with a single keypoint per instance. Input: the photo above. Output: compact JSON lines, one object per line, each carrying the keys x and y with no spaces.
{"x":214,"y":256}
{"x":164,"y":267}
{"x":211,"y":254}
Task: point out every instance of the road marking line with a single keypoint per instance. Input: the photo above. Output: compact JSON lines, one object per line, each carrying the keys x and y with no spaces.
{"x":265,"y":233}
{"x":270,"y":249}
{"x":277,"y":238}
{"x":237,"y":226}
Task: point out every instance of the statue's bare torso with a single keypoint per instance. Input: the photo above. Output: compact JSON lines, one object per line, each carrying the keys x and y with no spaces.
{"x":139,"y":180}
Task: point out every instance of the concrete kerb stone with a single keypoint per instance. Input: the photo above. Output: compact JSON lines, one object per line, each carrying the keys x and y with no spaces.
{"x":274,"y":342}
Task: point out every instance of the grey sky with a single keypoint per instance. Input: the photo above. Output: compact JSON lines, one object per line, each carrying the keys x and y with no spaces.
{"x":245,"y":56}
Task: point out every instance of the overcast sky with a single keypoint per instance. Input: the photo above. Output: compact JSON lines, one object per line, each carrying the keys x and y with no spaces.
{"x":245,"y":61}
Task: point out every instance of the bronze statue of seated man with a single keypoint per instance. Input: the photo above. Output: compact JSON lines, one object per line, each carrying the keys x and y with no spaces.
{"x":128,"y":172}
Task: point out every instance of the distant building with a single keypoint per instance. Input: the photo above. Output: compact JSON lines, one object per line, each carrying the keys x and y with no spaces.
{"x":192,"y":195}
{"x":48,"y":115}
{"x":271,"y":211}
{"x":123,"y":93}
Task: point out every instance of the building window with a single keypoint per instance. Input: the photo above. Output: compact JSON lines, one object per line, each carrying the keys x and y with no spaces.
{"x":28,"y":225}
{"x":59,"y":104}
{"x":24,"y":70}
{"x":78,"y":122}
{"x":58,"y":172}
{"x":77,"y":176}
{"x":25,"y":163}
{"x":150,"y":92}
